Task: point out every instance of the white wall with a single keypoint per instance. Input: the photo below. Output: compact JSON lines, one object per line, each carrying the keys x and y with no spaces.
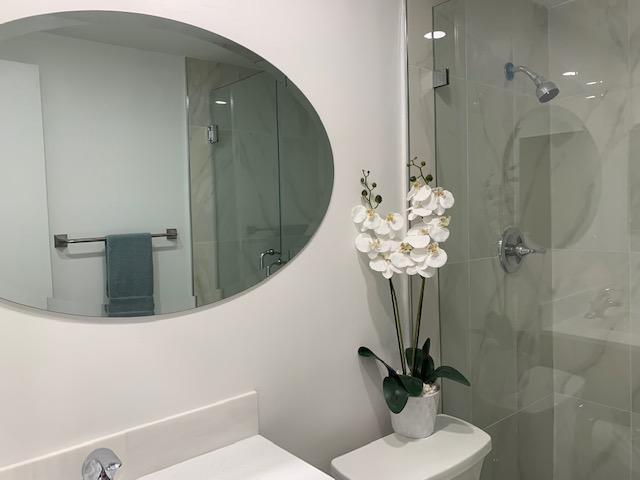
{"x":294,"y":338}
{"x":116,"y":154}
{"x":24,"y":245}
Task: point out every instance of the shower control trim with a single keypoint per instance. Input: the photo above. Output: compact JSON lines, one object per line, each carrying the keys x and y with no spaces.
{"x":512,"y":250}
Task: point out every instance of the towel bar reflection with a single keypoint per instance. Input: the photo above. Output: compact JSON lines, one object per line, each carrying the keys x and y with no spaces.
{"x":63,"y":240}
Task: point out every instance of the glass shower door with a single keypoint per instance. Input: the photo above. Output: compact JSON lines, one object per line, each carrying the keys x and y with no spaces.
{"x":551,"y":349}
{"x":492,"y":147}
{"x":246,"y":181}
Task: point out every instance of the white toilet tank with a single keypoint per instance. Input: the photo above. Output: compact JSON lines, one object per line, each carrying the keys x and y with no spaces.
{"x":455,"y":451}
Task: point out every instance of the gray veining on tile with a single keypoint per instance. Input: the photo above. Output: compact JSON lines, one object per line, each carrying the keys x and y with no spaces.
{"x":589,"y":37}
{"x":491,"y":167}
{"x":592,"y":442}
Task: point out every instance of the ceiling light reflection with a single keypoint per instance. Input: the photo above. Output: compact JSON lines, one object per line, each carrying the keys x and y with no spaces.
{"x":435,"y":35}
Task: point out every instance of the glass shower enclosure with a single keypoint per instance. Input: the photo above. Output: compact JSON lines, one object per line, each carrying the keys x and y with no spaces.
{"x":259,"y":172}
{"x":551,"y":347}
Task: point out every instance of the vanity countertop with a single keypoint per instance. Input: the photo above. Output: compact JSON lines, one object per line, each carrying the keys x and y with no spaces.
{"x":254,"y":458}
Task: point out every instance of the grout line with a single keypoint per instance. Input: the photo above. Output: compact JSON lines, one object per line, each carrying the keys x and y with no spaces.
{"x":520,"y":410}
{"x":597,"y":404}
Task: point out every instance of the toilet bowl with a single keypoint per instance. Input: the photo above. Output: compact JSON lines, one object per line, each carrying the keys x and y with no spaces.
{"x":455,"y":451}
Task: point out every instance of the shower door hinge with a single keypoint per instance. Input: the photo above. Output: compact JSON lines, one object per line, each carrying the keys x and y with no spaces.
{"x":440,"y":77}
{"x":212,"y":134}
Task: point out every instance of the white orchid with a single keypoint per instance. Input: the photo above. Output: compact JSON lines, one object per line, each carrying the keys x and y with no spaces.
{"x":401,"y":255}
{"x":424,"y":208}
{"x":421,"y":269}
{"x":443,"y":199}
{"x":419,"y":192}
{"x":366,"y":218}
{"x":437,"y":228}
{"x":436,"y":257}
{"x":418,"y":237}
{"x":391,"y":225}
{"x":418,"y":252}
{"x":372,"y":246}
{"x":384,"y":265}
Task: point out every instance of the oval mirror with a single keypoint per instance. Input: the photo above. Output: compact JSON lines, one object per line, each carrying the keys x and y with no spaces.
{"x":148,"y":166}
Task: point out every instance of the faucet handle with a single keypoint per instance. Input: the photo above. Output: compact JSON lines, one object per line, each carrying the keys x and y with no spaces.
{"x":512,"y":249}
{"x":101,"y":464}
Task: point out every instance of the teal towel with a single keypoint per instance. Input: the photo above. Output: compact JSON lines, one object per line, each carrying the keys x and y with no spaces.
{"x":130,"y":307}
{"x":129,"y":275}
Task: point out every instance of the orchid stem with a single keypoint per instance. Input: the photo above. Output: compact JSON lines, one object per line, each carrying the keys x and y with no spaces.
{"x":396,"y":317}
{"x":417,"y":326}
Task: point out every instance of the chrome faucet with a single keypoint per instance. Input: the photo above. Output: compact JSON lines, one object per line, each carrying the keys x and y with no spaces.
{"x":602,"y":303}
{"x":101,"y":464}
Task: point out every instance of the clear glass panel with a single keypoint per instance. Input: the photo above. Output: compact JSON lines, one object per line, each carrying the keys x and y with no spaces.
{"x":550,"y":349}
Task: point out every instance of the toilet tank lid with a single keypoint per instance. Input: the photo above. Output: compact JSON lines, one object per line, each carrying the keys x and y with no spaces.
{"x":454,"y":447}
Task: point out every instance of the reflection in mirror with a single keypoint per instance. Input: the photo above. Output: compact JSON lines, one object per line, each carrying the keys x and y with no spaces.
{"x":148,"y":166}
{"x":572,"y":182}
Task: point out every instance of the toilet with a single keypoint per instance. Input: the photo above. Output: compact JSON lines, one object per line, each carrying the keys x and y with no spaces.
{"x":455,"y":451}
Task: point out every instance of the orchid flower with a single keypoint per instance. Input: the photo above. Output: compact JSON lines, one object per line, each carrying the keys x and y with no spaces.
{"x":418,"y":237}
{"x":419,"y":192}
{"x":391,"y":225}
{"x":372,"y":246}
{"x":419,"y":252}
{"x":424,"y":208}
{"x":366,"y":218}
{"x":422,"y":269}
{"x":443,"y":199}
{"x":436,"y":257}
{"x":437,"y":228}
{"x":384,"y":265}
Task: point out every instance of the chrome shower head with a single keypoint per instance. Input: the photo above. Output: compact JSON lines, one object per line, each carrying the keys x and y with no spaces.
{"x":546,"y":90}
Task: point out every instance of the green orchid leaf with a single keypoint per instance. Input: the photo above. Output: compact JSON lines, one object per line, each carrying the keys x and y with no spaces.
{"x":366,"y":352}
{"x":394,"y":394}
{"x":451,"y":373}
{"x":428,"y":368}
{"x":427,"y":346}
{"x":411,"y":354}
{"x":412,"y":385}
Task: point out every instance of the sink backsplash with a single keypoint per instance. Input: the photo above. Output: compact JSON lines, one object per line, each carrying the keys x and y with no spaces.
{"x":153,"y":446}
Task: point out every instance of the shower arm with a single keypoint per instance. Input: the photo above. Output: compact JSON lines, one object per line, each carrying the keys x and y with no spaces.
{"x":511,"y":70}
{"x":533,"y":76}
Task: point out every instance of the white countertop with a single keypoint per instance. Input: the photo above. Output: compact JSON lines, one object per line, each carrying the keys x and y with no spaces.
{"x":254,"y":458}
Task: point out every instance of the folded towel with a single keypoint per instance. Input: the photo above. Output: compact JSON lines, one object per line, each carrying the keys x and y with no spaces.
{"x":130,"y":307}
{"x":129,"y":275}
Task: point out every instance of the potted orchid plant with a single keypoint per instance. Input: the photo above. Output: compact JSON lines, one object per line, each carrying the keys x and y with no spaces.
{"x":411,"y":392}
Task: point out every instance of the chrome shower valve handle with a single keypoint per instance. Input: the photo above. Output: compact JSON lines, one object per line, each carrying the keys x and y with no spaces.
{"x":521,"y":250}
{"x":513,"y":250}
